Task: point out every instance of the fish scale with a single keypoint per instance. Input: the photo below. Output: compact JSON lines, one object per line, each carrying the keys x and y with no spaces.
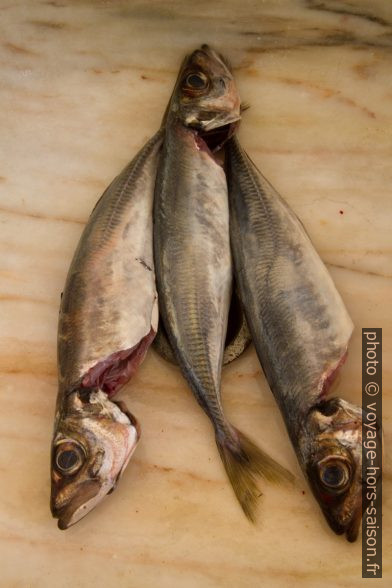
{"x":108,"y":318}
{"x":287,"y":274}
{"x":190,"y":288}
{"x":301,"y":330}
{"x":105,"y":260}
{"x":193,"y":260}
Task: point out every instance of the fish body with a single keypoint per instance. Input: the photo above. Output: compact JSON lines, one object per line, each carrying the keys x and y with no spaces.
{"x":192,"y":253}
{"x":109,"y":304}
{"x":194,"y":269}
{"x":301,"y":329}
{"x":108,"y":318}
{"x":237,"y":336}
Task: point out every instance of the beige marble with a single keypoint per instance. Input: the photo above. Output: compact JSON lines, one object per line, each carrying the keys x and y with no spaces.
{"x":83,"y":85}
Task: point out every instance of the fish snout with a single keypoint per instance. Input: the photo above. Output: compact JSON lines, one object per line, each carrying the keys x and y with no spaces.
{"x":69,"y":507}
{"x":352,"y":528}
{"x":345,"y":518}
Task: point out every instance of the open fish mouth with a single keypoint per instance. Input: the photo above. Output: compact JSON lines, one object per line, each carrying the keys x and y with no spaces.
{"x":216,"y":137}
{"x":212,"y":123}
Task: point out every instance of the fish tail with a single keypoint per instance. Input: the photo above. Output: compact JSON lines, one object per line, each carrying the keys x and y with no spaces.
{"x":245,"y":462}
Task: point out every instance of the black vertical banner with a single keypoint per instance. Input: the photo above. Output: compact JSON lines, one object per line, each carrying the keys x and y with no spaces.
{"x":372,"y":453}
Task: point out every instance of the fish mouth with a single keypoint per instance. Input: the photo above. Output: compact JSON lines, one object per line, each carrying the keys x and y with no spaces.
{"x":89,"y":494}
{"x":219,"y":106}
{"x":348,"y":527}
{"x":63,"y":515}
{"x":213,"y":122}
{"x":352,"y":529}
{"x":210,"y":52}
{"x":215,"y":138}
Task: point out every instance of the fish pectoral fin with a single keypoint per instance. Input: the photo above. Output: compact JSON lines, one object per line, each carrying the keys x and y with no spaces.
{"x":245,"y":462}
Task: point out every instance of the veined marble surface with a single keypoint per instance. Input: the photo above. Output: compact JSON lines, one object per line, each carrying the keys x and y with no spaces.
{"x":83,"y":86}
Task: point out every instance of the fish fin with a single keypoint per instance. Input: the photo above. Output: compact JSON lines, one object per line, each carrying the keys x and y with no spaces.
{"x":245,"y":462}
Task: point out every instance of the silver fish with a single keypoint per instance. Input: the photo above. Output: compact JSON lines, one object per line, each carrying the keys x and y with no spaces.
{"x":301,"y":329}
{"x":237,"y":341}
{"x":108,"y":319}
{"x":192,"y":253}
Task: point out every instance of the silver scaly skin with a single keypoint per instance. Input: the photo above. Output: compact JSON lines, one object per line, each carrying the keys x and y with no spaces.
{"x":237,"y":341}
{"x":301,"y":329}
{"x":192,"y":254}
{"x":108,"y":318}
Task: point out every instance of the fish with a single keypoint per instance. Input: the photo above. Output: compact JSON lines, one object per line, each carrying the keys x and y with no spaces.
{"x":192,"y":253}
{"x":301,"y":330}
{"x":237,"y":340}
{"x":108,"y":319}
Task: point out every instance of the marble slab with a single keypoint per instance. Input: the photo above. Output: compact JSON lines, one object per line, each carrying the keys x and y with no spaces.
{"x":83,"y":86}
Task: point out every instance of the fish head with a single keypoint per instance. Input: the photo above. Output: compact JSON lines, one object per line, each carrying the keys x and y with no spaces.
{"x":331,"y":454}
{"x":205,"y":96}
{"x":93,"y":442}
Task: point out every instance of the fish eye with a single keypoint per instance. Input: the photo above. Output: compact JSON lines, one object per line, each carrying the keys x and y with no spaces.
{"x":335,"y":475}
{"x":69,"y":457}
{"x":196,"y":81}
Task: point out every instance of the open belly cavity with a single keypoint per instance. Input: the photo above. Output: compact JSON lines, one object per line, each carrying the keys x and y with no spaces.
{"x":113,"y":372}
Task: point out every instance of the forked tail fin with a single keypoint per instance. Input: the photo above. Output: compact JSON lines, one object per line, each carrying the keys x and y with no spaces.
{"x":245,"y":462}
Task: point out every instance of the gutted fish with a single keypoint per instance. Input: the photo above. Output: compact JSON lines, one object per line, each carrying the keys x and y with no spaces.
{"x":108,"y":319}
{"x":192,"y":252}
{"x":301,"y":329}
